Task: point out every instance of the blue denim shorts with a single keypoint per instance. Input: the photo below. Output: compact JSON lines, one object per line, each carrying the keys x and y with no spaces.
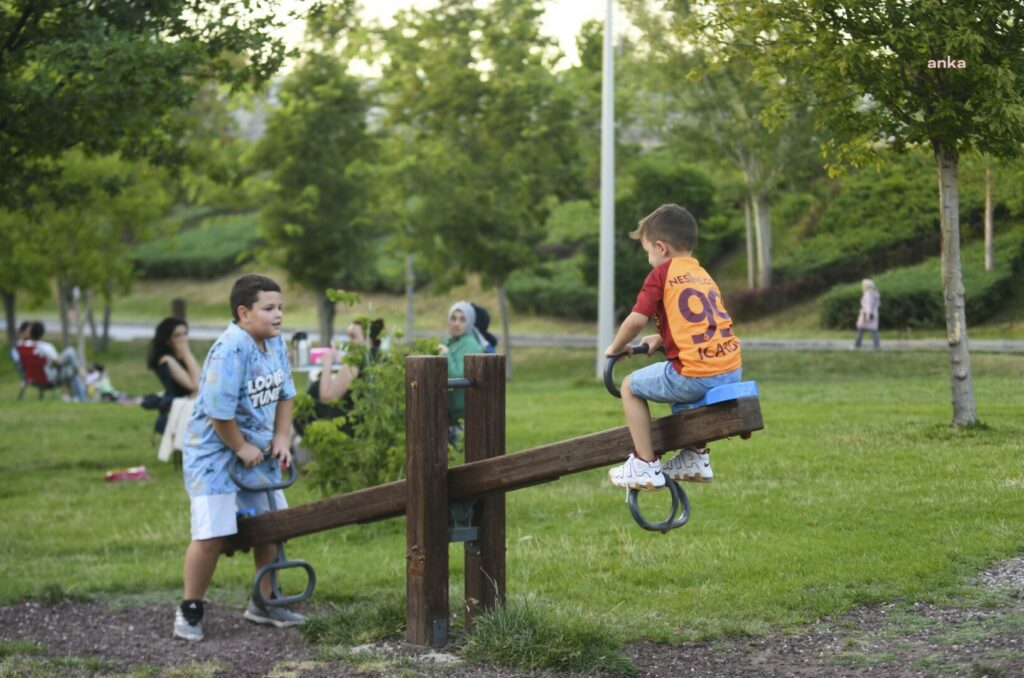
{"x":660,"y":383}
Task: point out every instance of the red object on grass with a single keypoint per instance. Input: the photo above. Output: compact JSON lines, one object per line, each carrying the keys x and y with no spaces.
{"x":133,"y":473}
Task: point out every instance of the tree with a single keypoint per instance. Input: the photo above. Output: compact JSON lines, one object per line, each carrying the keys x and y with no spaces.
{"x":315,"y":151}
{"x":491,"y":135}
{"x":881,"y":73}
{"x":110,"y":76}
{"x":24,"y":265}
{"x":88,"y":240}
{"x":718,"y":97}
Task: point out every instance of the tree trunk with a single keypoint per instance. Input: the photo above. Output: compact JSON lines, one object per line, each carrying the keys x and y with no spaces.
{"x":505,"y":336}
{"x":325,"y":313}
{"x":65,"y":329}
{"x":989,"y":253}
{"x":410,"y":289}
{"x":747,"y":218}
{"x":80,"y":327}
{"x":964,"y":412}
{"x":107,"y":310}
{"x":91,"y":319}
{"x":9,"y":315}
{"x":763,"y":233}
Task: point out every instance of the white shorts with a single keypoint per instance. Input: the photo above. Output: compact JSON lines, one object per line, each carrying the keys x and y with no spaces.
{"x":216,"y":515}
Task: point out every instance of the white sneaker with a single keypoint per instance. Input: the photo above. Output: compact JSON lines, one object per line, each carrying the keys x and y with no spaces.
{"x":186,"y":631}
{"x":694,"y":465}
{"x":637,"y":474}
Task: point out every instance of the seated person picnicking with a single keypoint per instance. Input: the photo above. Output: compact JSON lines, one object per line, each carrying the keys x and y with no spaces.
{"x":61,"y":369}
{"x":463,"y":339}
{"x":332,"y":386}
{"x":172,"y":360}
{"x":23,"y":336}
{"x":701,"y":349}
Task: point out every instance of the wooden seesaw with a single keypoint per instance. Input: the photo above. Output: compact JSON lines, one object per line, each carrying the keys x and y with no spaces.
{"x":467,"y":503}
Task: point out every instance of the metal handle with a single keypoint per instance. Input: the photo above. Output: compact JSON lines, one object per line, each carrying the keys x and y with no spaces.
{"x":277,"y":597}
{"x":235,"y":467}
{"x":609,"y":367}
{"x":679,"y":499}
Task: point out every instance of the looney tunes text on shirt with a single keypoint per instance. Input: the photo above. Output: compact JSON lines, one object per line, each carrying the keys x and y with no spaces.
{"x":265,"y":390}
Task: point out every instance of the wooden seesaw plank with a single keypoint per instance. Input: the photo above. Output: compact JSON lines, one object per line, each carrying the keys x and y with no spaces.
{"x":529,"y":467}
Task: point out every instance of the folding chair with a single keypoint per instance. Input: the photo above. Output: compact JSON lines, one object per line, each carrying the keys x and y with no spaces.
{"x":34,"y":370}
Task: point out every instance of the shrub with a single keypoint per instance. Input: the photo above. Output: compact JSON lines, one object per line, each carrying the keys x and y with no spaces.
{"x":374,"y":452}
{"x":219,"y":244}
{"x":555,"y":288}
{"x":912,"y":296}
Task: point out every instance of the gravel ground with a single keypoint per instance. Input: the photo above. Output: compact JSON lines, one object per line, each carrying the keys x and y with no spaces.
{"x":898,"y":640}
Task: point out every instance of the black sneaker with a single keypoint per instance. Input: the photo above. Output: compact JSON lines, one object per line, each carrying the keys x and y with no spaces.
{"x":274,"y":615}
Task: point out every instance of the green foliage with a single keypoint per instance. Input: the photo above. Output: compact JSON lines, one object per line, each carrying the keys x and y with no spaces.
{"x":111,"y":78}
{"x":912,"y":297}
{"x":314,"y":151}
{"x":554,"y":288}
{"x":880,"y":219}
{"x":519,"y":636}
{"x":366,"y":447}
{"x":485,"y":132}
{"x":217,"y":245}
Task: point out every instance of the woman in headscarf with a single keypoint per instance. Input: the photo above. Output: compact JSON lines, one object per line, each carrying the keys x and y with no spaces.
{"x":463,"y":338}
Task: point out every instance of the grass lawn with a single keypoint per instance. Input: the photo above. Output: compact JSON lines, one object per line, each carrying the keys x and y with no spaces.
{"x":856,"y":492}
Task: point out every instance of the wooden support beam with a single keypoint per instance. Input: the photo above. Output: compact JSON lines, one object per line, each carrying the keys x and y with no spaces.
{"x":530,"y":467}
{"x":426,"y":491}
{"x":485,"y":439}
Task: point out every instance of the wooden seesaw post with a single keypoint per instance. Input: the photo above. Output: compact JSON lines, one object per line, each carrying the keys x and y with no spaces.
{"x":428,"y":523}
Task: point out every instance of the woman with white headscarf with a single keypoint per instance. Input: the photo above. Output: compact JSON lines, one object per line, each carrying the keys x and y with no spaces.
{"x":868,"y":317}
{"x":463,"y":338}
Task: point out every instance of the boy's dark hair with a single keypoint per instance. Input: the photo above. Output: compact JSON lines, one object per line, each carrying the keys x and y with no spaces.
{"x":37,"y":331}
{"x":246,"y":291}
{"x":669,"y":223}
{"x":24,"y":326}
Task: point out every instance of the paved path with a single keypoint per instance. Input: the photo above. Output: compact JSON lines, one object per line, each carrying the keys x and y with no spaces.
{"x":122,"y":331}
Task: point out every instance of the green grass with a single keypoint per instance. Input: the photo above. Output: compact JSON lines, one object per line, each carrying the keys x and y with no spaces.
{"x":856,"y":492}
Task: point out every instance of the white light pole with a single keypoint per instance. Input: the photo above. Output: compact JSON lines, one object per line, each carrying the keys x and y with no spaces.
{"x":606,"y":284}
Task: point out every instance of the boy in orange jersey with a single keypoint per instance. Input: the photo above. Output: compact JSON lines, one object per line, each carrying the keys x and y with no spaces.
{"x":695,"y":330}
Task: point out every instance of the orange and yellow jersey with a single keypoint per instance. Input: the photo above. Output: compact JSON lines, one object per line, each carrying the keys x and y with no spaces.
{"x":687,"y":307}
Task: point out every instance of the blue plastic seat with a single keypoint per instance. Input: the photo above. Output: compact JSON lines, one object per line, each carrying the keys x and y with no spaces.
{"x":720,"y":394}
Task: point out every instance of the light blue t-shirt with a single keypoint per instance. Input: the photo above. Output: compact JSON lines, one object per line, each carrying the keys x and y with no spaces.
{"x":241,"y":382}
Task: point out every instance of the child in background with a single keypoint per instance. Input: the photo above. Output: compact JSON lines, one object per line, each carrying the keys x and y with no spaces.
{"x":701,"y":350}
{"x":244,"y":408}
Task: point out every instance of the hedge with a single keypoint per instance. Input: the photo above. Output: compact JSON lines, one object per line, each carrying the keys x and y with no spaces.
{"x":218,"y":245}
{"x":912,"y":296}
{"x":556,"y":288}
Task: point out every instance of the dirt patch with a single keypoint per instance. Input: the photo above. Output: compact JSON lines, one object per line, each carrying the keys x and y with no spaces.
{"x":981,"y":638}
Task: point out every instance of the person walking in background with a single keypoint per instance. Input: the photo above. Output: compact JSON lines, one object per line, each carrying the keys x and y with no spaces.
{"x":172,"y":360}
{"x":867,"y":319}
{"x":463,"y":339}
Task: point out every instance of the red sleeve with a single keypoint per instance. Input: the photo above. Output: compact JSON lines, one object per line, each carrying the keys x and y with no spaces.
{"x":652,"y":291}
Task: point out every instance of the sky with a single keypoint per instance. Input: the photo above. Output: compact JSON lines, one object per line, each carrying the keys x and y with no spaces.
{"x":562,"y":19}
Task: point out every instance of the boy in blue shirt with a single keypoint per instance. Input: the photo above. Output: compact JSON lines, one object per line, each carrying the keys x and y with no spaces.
{"x":244,"y":407}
